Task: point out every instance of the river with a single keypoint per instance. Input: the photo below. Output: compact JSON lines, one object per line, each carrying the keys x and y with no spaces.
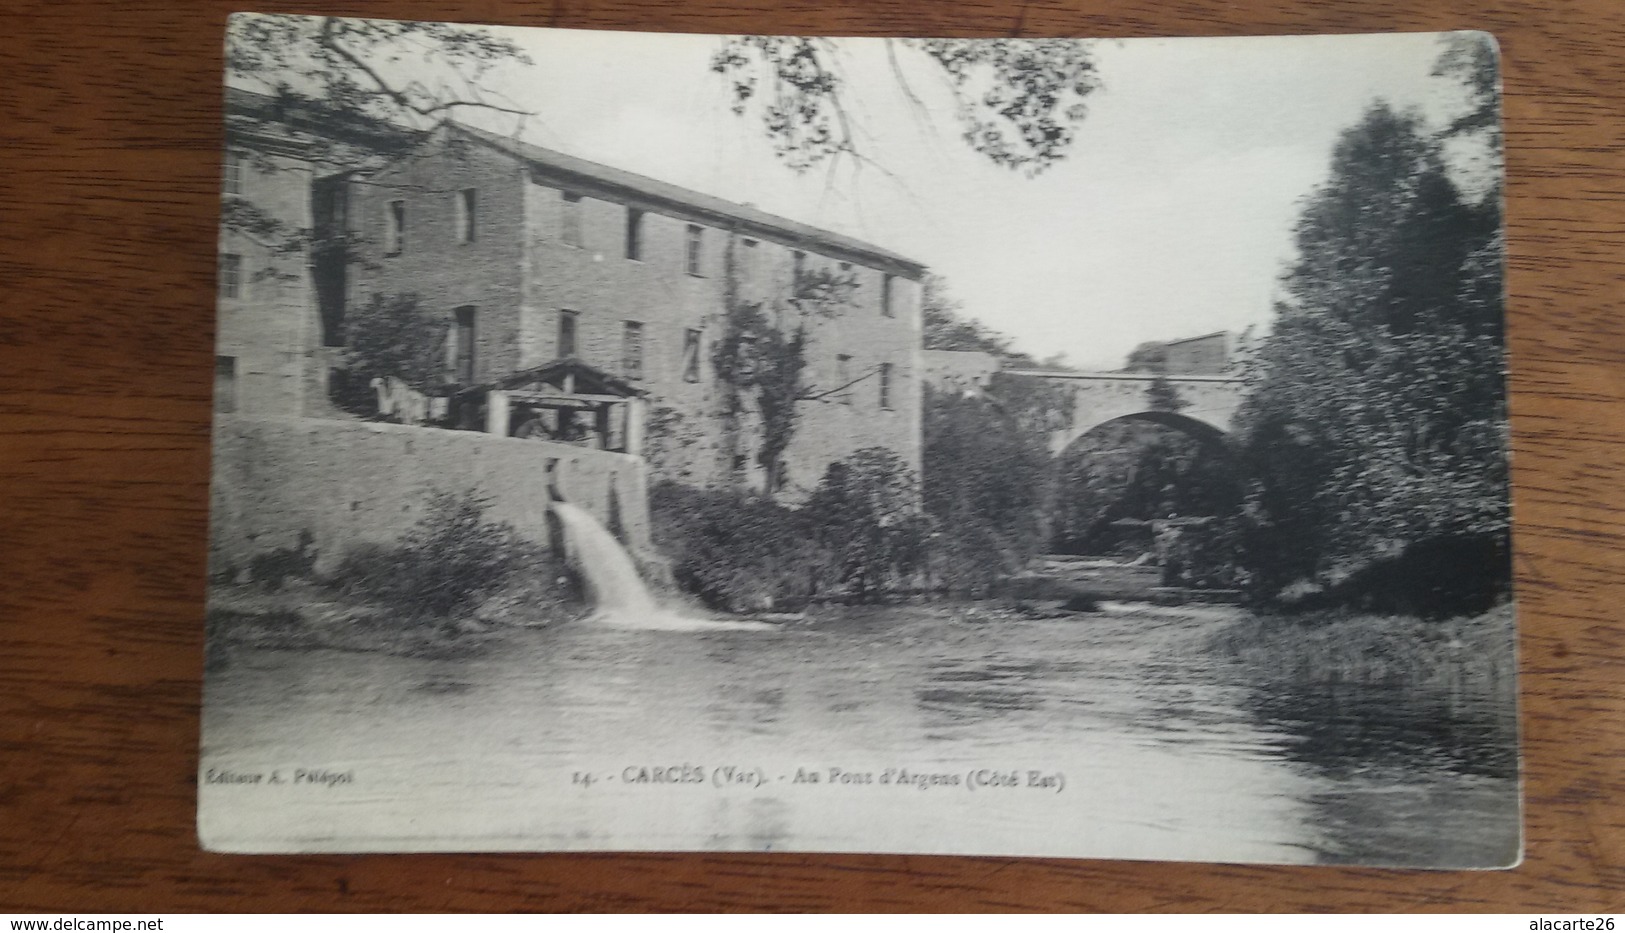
{"x":922,"y":729}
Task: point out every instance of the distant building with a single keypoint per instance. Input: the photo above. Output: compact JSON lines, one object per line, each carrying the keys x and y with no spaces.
{"x":1208,"y":354}
{"x":531,"y":256}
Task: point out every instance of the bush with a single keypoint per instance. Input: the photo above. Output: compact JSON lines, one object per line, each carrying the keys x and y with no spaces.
{"x":443,"y":565}
{"x":736,"y":551}
{"x":859,"y":535}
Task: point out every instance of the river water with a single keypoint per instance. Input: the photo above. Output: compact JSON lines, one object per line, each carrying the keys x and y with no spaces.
{"x":924,"y":729}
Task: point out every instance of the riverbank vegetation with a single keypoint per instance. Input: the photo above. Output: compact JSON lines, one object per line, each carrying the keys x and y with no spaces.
{"x":1332,"y":647}
{"x":453,"y":578}
{"x":857,"y":536}
{"x":1376,"y":426}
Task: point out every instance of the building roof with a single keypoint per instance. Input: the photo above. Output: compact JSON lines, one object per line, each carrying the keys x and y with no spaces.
{"x":719,"y":211}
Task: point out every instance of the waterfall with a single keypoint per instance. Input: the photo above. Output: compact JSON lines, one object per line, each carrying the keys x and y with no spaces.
{"x":613,"y":583}
{"x":612,"y":579}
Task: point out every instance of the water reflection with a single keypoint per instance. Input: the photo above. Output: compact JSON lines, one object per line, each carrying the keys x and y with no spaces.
{"x":1163,"y":756}
{"x":1414,"y":775}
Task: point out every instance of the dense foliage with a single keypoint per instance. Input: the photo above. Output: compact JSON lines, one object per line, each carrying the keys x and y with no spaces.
{"x":1378,"y":421}
{"x":390,"y":335}
{"x":858,"y":536}
{"x":988,"y":480}
{"x":760,"y":360}
{"x":450,"y":558}
{"x":1139,"y":471}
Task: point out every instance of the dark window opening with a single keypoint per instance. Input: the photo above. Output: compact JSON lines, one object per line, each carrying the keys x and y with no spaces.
{"x":886,"y":296}
{"x":885,"y":385}
{"x":632,"y":350}
{"x":634,"y":234}
{"x":330,"y":254}
{"x":695,"y":238}
{"x":231,"y":275}
{"x":567,"y":334}
{"x":570,"y":227}
{"x":395,"y":236}
{"x":843,"y":377}
{"x":463,"y":346}
{"x":225,"y":384}
{"x":691,"y":356}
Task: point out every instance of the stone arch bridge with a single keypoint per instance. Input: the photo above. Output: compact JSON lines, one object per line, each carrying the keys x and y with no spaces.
{"x":1211,"y":402}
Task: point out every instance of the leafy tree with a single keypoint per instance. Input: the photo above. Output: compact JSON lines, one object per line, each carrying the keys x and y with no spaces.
{"x":391,"y":335}
{"x":350,"y":68}
{"x":1149,"y":357}
{"x":351,"y":91}
{"x":1160,"y":395}
{"x":944,"y":326}
{"x":762,"y":355}
{"x":987,"y":481}
{"x":865,"y":513}
{"x":1020,"y":101}
{"x":1132,"y":469}
{"x":1379,"y":418}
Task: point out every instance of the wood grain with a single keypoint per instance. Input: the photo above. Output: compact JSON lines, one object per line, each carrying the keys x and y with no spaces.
{"x":109,"y":118}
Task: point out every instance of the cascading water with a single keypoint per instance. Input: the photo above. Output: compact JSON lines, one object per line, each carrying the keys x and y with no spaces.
{"x":612,"y":579}
{"x":613,"y":583}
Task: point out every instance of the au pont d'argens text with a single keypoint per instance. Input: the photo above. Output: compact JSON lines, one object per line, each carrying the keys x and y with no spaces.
{"x":681,"y":774}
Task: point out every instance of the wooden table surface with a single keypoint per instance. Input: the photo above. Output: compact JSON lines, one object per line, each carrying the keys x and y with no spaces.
{"x":109,"y":168}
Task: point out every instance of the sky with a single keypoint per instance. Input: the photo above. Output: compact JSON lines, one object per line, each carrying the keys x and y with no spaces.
{"x":1170,"y":217}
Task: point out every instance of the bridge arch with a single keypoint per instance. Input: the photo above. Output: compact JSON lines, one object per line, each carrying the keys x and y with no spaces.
{"x":1206,"y":409}
{"x":1203,"y":431}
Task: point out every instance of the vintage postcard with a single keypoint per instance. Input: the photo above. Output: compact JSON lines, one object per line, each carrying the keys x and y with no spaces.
{"x":1020,"y":447}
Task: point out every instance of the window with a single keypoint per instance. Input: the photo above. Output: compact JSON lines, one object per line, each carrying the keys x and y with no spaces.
{"x":466,"y":204}
{"x":225,"y":384}
{"x":747,"y":257}
{"x":745,"y":365}
{"x":634,"y":234}
{"x":570,"y":222}
{"x":691,"y":356}
{"x":695,"y":234}
{"x":799,"y":266}
{"x":885,"y":385}
{"x":395,"y":228}
{"x":567,"y":334}
{"x":632,"y":349}
{"x":236,"y":168}
{"x":886,"y":296}
{"x":462,"y":346}
{"x":845,"y":267}
{"x":231,"y":275}
{"x":843,"y":377}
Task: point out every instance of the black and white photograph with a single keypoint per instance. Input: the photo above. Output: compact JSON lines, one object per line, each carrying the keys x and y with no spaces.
{"x":1083,"y":448}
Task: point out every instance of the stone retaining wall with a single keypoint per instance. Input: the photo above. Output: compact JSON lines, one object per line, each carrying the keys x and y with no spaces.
{"x":337,"y":484}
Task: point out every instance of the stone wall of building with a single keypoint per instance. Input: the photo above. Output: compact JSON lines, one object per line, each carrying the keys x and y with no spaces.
{"x":263,"y":330}
{"x":350,"y":483}
{"x":553,"y":245}
{"x":579,"y":267}
{"x":435,"y":261}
